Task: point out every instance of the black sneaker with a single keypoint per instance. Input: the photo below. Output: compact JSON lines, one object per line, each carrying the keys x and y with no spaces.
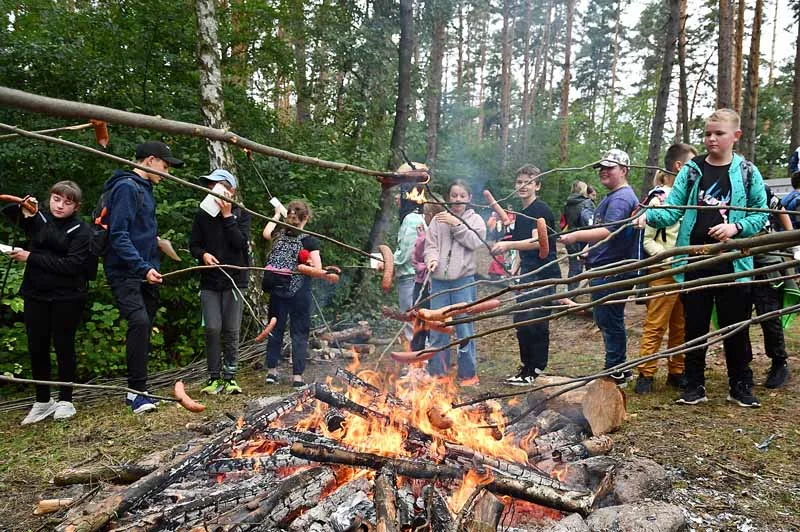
{"x":644,"y":385}
{"x":778,"y":374}
{"x":621,"y":378}
{"x":693,"y":396}
{"x":677,"y":380}
{"x":523,"y":378}
{"x":742,"y":395}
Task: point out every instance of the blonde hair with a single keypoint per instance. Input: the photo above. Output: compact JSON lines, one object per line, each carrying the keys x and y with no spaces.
{"x":579,"y":187}
{"x":725,"y":115}
{"x":663,"y":179}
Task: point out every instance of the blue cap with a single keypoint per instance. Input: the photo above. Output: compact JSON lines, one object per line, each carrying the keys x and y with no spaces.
{"x":221,"y":175}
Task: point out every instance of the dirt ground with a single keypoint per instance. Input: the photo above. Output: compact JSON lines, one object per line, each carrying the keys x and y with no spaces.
{"x":721,"y":479}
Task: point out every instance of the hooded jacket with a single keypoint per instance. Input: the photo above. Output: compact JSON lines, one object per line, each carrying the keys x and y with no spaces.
{"x":454,"y":247}
{"x":751,"y":222}
{"x":575,"y":205}
{"x":132,"y":230}
{"x":56,"y":269}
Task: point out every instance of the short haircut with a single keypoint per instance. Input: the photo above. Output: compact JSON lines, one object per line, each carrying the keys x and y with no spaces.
{"x":432,"y":209}
{"x":679,"y":151}
{"x":796,"y":180}
{"x":725,"y":115}
{"x":579,"y":187}
{"x":69,"y":190}
{"x":301,"y":208}
{"x":528,"y":169}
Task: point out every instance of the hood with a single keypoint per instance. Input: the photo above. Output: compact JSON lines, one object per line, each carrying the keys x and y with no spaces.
{"x":120,"y":175}
{"x":576,"y":199}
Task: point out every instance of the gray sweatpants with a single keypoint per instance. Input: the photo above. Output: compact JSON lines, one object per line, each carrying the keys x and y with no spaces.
{"x":222,"y":316}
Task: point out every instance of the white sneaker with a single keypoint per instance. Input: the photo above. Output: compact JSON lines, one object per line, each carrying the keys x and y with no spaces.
{"x":64,"y":410}
{"x":39,"y":412}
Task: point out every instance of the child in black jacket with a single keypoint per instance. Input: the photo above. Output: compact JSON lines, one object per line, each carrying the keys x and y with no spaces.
{"x":54,"y":291}
{"x":222,"y":239}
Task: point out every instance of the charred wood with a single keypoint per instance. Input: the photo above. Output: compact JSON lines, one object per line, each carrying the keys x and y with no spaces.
{"x":355,"y":381}
{"x":439,"y":517}
{"x":594,"y":446}
{"x":405,"y":507}
{"x":483,"y":515}
{"x":385,"y":497}
{"x":279,"y":459}
{"x":345,"y":499}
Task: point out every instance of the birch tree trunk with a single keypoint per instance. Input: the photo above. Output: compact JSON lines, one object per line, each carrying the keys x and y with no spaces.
{"x":505,"y":74}
{"x":725,"y":55}
{"x":794,"y":140}
{"x":738,"y":67}
{"x":657,"y":131}
{"x":772,"y":48}
{"x":212,"y":102}
{"x":564,"y":113}
{"x":612,"y":94}
{"x":750,"y":111}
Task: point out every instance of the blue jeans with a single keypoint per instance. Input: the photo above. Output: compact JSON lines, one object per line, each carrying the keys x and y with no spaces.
{"x":610,"y":319}
{"x":405,"y":296}
{"x":467,"y":358}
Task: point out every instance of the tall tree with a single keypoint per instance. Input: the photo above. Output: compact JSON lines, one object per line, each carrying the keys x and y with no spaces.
{"x":212,"y":102}
{"x":747,"y":145}
{"x":738,"y":65}
{"x":725,"y":55}
{"x":439,"y":15}
{"x":657,"y":131}
{"x":795,"y":131}
{"x":565,"y":85}
{"x":682,"y":128}
{"x":505,"y":81}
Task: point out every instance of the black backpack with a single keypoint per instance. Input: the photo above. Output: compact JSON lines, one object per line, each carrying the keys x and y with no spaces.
{"x":99,"y":226}
{"x":282,"y":261}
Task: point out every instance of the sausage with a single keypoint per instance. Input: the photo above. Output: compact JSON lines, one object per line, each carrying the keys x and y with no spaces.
{"x":501,"y":213}
{"x":185,"y":401}
{"x":440,"y":326}
{"x":388,"y":267}
{"x":311,"y":271}
{"x":268,"y":329}
{"x":27,"y":203}
{"x":333,"y":269}
{"x":408,"y":357}
{"x":483,"y":306}
{"x":438,"y":418}
{"x":544,"y":243}
{"x":100,"y":132}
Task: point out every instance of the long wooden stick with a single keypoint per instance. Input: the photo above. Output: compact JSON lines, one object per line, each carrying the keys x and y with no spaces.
{"x":77,"y":127}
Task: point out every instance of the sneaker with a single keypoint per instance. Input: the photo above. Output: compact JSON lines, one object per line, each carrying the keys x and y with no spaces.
{"x":272,"y":378}
{"x":778,"y":374}
{"x":298,"y":384}
{"x":644,"y":385}
{"x":140,"y":404}
{"x":64,"y":410}
{"x":621,"y":378}
{"x":523,"y":378}
{"x":742,"y":395}
{"x":39,"y":411}
{"x":232,"y":387}
{"x":693,"y":396}
{"x":470,"y":382}
{"x":677,"y":380}
{"x":213,"y":386}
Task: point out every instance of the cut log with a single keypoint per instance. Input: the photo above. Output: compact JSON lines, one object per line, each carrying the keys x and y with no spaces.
{"x":439,"y":516}
{"x":483,"y":515}
{"x":359,"y":334}
{"x":385,"y":497}
{"x":280,"y":459}
{"x":600,"y":404}
{"x":119,"y":473}
{"x":48,"y":506}
{"x":594,"y":446}
{"x":545,"y":491}
{"x":344,"y":500}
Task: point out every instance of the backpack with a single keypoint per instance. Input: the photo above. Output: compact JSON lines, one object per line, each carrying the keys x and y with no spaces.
{"x":282,"y":261}
{"x":790,"y":203}
{"x":98,"y":246}
{"x":639,"y":252}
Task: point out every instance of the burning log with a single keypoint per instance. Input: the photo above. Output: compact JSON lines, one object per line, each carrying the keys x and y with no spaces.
{"x":359,"y":334}
{"x":301,"y":490}
{"x":439,"y":517}
{"x":386,"y":501}
{"x":347,"y":501}
{"x":592,"y":447}
{"x":280,"y":459}
{"x":334,"y":419}
{"x":548,"y":492}
{"x":354,"y":381}
{"x":405,"y":508}
{"x":481,"y":513}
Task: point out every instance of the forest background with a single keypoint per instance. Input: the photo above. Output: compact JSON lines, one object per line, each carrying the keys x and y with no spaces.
{"x":475,"y":88}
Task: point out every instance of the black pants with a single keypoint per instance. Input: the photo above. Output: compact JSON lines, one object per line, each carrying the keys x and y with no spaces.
{"x":420,"y":337}
{"x":733,"y":304}
{"x":767,"y":298}
{"x":55,"y":321}
{"x":137,"y":302}
{"x":297,"y":309}
{"x":534,"y":339}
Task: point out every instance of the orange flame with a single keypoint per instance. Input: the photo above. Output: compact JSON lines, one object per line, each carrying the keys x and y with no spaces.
{"x":416,"y":195}
{"x":471,"y":481}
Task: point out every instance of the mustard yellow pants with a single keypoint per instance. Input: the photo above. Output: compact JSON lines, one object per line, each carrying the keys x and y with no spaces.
{"x":665,"y":312}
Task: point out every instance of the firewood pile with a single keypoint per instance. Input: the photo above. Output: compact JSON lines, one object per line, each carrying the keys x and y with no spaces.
{"x":360,"y":457}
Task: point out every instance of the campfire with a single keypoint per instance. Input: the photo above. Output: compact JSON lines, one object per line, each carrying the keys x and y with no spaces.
{"x":367,"y":451}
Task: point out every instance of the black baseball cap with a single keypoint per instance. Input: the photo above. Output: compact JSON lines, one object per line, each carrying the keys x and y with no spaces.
{"x":157,"y":149}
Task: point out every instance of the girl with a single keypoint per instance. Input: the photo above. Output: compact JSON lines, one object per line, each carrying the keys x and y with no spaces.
{"x":450,"y":246}
{"x":292,"y":298}
{"x":54,"y":290}
{"x":222,"y":239}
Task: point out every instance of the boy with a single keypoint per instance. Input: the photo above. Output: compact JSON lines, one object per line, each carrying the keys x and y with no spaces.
{"x":717,"y":178}
{"x":665,"y":312}
{"x":534,"y":339}
{"x":133,"y":257}
{"x":618,"y":204}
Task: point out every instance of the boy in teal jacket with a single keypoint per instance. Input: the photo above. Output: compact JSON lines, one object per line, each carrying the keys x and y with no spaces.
{"x":717,"y":178}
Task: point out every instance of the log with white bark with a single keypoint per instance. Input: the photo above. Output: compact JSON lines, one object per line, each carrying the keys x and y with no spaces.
{"x":600,"y":403}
